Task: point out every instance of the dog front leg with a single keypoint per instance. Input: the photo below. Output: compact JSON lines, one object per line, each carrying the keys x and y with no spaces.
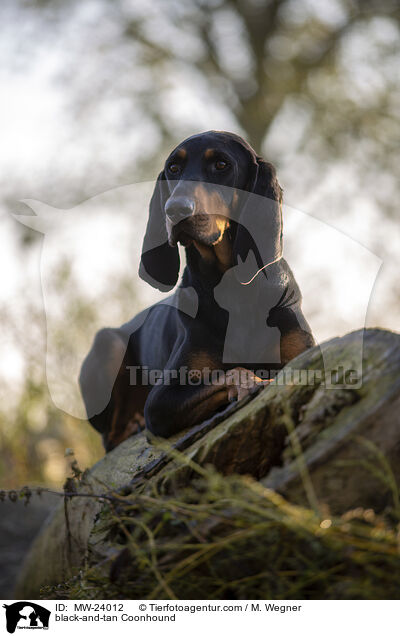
{"x":171,"y":408}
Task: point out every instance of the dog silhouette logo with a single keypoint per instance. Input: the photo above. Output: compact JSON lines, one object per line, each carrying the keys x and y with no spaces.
{"x":26,"y":615}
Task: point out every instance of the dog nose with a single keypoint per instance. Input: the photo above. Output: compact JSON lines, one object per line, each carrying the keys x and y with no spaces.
{"x":179,"y":208}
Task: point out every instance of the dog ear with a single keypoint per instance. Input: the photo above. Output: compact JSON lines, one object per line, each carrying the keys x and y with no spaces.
{"x":159,"y":263}
{"x":260,"y":217}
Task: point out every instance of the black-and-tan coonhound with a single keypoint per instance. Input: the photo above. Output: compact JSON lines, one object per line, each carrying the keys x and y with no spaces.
{"x":235,"y":315}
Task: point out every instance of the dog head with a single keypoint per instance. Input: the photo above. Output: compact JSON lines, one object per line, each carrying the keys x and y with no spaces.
{"x":212,"y":182}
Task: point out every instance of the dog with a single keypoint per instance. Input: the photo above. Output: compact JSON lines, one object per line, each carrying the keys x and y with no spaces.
{"x":235,"y":316}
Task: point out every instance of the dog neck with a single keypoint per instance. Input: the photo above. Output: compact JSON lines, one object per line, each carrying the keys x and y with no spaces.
{"x":206,"y":264}
{"x":205,"y":267}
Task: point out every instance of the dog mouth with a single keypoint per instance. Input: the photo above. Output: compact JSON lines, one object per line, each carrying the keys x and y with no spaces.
{"x":182,"y":234}
{"x":199,"y":228}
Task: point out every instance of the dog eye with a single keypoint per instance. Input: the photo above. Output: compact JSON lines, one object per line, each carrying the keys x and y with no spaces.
{"x":221,"y":165}
{"x":174,"y":168}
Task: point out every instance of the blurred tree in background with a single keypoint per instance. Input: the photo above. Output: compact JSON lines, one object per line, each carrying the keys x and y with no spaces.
{"x":313,"y":85}
{"x":315,"y":78}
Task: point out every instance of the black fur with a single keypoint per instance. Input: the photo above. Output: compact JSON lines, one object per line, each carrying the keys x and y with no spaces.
{"x":191,"y":330}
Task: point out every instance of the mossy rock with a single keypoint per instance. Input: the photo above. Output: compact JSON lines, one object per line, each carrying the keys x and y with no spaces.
{"x":325,"y":427}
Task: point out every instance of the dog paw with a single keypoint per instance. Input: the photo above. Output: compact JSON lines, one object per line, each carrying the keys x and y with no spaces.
{"x":241,"y":382}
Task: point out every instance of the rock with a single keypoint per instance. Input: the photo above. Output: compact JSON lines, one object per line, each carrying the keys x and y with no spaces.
{"x":18,"y":527}
{"x":326,"y":424}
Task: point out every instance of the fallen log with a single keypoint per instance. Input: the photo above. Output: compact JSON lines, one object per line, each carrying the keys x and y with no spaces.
{"x":330,"y":449}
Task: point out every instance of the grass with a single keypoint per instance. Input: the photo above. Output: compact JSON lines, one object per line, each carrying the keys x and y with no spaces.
{"x":228,"y":537}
